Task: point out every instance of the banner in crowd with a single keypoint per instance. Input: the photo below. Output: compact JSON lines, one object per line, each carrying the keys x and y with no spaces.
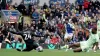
{"x":10,"y":15}
{"x":23,"y":46}
{"x":26,"y":2}
{"x":60,"y":1}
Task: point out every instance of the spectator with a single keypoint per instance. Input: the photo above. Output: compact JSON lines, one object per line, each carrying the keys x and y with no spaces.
{"x":86,"y":5}
{"x":45,"y":6}
{"x":74,"y":19}
{"x":47,"y":41}
{"x":97,"y":4}
{"x":7,"y":6}
{"x":3,"y":4}
{"x":15,"y":6}
{"x":80,"y":3}
{"x":60,"y":27}
{"x":22,"y":9}
{"x":46,"y":33}
{"x":35,"y":16}
{"x":11,"y":7}
{"x":12,"y":28}
{"x":33,"y":24}
{"x":30,"y":7}
{"x":40,"y":25}
{"x":54,"y":40}
{"x":91,"y":5}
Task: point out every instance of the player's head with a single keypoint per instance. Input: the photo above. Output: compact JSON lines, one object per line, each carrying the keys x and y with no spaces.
{"x":94,"y":30}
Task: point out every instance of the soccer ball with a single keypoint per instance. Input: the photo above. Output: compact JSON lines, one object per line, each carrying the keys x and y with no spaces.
{"x":40,"y":49}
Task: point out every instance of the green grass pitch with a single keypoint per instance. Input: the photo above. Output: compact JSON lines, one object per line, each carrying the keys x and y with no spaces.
{"x":5,"y":52}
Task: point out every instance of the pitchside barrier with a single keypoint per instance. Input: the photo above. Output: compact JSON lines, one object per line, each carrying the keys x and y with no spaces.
{"x":23,"y":46}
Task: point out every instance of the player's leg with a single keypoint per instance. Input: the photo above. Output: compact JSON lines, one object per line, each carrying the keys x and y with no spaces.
{"x":0,"y":44}
{"x":73,"y":45}
{"x":67,"y":38}
{"x":8,"y":41}
{"x":78,"y":49}
{"x":99,"y":40}
{"x":27,"y":49}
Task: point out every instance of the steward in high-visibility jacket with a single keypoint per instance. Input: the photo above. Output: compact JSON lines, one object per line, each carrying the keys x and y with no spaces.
{"x":20,"y":20}
{"x":20,"y":23}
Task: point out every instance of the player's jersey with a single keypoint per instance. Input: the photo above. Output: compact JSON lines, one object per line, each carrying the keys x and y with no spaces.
{"x":26,"y":35}
{"x":69,"y":28}
{"x":92,"y":39}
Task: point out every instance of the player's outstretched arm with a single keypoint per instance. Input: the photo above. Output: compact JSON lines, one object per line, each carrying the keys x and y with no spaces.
{"x":18,"y":33}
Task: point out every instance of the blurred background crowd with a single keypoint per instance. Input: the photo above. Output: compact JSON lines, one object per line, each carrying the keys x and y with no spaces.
{"x":50,"y":21}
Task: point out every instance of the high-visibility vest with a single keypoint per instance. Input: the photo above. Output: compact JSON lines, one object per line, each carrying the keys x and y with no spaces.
{"x":20,"y":19}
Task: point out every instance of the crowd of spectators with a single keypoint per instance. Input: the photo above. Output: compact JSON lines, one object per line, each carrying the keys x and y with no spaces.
{"x":50,"y":21}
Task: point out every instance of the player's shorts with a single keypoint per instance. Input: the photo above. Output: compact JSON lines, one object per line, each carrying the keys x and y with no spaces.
{"x":84,"y":46}
{"x":99,"y":45}
{"x":98,"y":33}
{"x":68,"y":35}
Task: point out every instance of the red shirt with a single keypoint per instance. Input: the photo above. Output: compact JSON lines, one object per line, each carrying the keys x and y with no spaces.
{"x":54,"y":40}
{"x":86,"y":4}
{"x":60,"y":26}
{"x":7,"y":7}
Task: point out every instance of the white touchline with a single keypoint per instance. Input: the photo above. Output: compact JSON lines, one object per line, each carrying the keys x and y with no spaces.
{"x":96,"y":53}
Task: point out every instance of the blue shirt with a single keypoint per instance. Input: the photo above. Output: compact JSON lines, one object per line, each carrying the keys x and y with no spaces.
{"x":80,"y":2}
{"x":35,"y":15}
{"x":69,"y":28}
